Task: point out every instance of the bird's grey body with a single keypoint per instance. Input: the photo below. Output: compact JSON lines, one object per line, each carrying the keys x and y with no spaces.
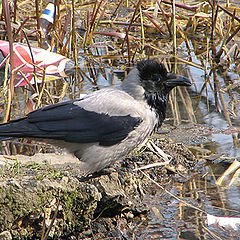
{"x":106,"y":124}
{"x":117,"y":103}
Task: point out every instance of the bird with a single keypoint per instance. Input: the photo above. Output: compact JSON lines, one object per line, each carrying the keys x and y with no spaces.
{"x":105,"y":125}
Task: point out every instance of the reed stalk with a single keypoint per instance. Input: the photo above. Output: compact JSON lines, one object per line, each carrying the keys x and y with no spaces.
{"x":6,"y":13}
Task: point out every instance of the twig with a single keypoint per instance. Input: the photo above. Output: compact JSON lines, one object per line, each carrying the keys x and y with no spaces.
{"x":114,"y":13}
{"x":52,"y":222}
{"x":212,"y":233}
{"x":6,"y":13}
{"x":38,"y":23}
{"x":191,"y":8}
{"x":165,"y":18}
{"x":34,"y":66}
{"x":172,"y":195}
{"x":154,"y":23}
{"x":174,"y":28}
{"x":128,"y":48}
{"x":152,"y":165}
{"x":229,"y":13}
{"x":131,"y":21}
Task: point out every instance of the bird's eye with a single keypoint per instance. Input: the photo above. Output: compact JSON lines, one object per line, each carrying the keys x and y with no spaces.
{"x":156,"y":77}
{"x":159,"y":79}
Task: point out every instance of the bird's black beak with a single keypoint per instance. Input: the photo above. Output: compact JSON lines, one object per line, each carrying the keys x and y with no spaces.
{"x":174,"y":80}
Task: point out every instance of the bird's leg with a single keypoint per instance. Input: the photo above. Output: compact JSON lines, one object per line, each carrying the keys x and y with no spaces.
{"x":141,"y":147}
{"x":106,"y":171}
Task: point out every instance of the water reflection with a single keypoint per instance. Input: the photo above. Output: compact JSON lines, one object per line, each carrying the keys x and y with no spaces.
{"x":180,"y":221}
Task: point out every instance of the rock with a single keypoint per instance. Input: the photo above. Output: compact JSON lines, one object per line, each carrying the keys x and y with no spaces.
{"x":36,"y":200}
{"x":28,"y":204}
{"x":118,"y":192}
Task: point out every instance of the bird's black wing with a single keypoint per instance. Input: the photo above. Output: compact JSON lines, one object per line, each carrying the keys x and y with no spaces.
{"x":72,"y":123}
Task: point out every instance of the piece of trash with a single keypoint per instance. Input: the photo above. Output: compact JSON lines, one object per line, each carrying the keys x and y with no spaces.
{"x":46,"y":23}
{"x":226,"y":222}
{"x":46,"y":19}
{"x":30,"y":60}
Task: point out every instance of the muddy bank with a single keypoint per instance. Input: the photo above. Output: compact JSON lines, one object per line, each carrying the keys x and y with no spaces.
{"x":43,"y":196}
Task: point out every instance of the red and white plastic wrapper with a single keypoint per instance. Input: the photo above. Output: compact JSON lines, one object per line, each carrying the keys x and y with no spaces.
{"x":48,"y":65}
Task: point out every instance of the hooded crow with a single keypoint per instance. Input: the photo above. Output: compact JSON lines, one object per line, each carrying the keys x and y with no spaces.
{"x":106,"y":124}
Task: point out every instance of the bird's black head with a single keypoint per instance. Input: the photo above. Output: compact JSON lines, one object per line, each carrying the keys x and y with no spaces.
{"x":157,"y":83}
{"x":155,"y":78}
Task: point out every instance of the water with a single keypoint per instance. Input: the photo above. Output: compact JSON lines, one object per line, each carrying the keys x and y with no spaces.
{"x":227,"y":141}
{"x":179,"y":221}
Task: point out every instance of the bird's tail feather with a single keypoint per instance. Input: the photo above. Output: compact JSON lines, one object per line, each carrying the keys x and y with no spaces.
{"x":17,"y":129}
